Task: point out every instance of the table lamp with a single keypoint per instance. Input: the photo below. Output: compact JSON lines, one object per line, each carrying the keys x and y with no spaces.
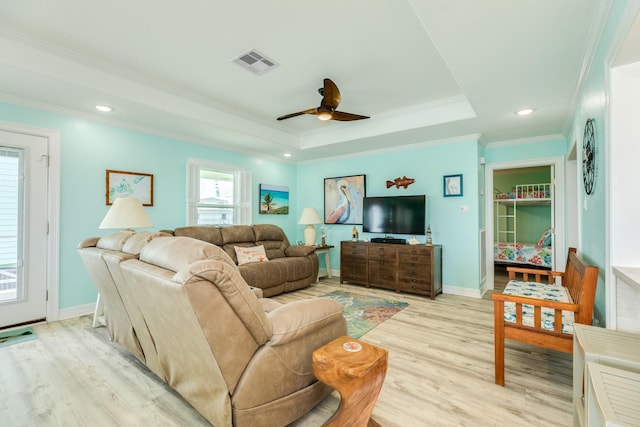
{"x":126,"y":213}
{"x":309,"y":216}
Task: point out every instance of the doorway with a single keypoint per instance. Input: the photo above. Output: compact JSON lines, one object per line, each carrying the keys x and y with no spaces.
{"x":27,"y":239}
{"x":505,"y":227}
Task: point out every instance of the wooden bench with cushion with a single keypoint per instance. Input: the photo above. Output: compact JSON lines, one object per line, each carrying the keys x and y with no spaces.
{"x":543,"y":314}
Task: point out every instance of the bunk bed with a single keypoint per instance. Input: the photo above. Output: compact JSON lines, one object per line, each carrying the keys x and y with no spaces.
{"x":507,"y":247}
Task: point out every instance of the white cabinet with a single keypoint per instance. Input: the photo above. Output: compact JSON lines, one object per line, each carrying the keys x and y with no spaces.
{"x":607,"y":347}
{"x":612,"y":396}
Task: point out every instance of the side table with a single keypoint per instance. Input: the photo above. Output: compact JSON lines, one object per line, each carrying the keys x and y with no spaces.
{"x":356,"y":375}
{"x":320,"y":249}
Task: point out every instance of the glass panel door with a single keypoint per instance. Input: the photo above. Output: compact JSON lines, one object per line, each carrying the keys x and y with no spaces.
{"x":11,"y":202}
{"x":23,"y":228}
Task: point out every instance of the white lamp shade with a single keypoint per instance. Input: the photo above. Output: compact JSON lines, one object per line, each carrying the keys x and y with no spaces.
{"x":309,"y":216}
{"x":126,"y":213}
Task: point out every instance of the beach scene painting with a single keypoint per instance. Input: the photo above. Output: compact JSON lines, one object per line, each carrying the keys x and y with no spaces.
{"x":274,"y":199}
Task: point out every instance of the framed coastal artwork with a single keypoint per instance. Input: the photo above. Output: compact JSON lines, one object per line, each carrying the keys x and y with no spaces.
{"x":343,"y":196}
{"x":121,"y":184}
{"x":452,"y":185}
{"x":274,"y":199}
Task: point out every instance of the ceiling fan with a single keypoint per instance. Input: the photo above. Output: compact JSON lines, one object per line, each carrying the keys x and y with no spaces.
{"x":327,"y":109}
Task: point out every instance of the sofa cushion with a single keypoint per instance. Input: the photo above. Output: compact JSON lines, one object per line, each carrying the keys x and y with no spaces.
{"x":272,"y":238}
{"x":201,"y":232}
{"x":114,"y":241}
{"x":137,"y":241}
{"x":269,"y":276}
{"x":548,"y":292}
{"x":175,"y":253}
{"x":237,"y":234}
{"x":251,"y":254}
{"x":269,"y":232}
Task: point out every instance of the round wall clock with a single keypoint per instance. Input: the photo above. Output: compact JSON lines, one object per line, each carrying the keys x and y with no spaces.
{"x":589,"y":156}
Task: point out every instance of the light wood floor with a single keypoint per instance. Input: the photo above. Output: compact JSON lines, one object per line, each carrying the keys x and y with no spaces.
{"x":440,"y":374}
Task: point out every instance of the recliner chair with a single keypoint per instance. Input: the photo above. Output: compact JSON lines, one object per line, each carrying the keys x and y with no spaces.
{"x":238,"y":359}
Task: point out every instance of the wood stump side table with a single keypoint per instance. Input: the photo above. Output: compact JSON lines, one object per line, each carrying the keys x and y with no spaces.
{"x":356,"y":375}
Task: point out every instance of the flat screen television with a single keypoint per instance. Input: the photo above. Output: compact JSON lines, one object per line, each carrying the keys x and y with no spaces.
{"x":394,"y":215}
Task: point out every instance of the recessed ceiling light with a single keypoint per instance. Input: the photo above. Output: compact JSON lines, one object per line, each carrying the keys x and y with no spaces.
{"x":525,"y":112}
{"x":287,"y":154}
{"x":104,"y":108}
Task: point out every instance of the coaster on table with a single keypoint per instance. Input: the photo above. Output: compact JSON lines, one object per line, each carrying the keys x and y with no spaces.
{"x":352,"y":346}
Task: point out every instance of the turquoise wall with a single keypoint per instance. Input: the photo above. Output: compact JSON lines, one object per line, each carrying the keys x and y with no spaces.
{"x":505,"y":182}
{"x":593,"y":104}
{"x":552,"y":147}
{"x":88,"y":149}
{"x":456,"y":231}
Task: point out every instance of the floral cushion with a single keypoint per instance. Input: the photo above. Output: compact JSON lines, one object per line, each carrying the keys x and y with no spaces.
{"x":252,"y":254}
{"x":540,"y":291}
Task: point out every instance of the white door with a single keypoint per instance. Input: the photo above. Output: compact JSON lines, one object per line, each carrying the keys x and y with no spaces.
{"x":23,"y":228}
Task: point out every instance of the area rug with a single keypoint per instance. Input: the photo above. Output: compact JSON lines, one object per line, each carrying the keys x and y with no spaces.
{"x":17,"y":336}
{"x":364,"y":312}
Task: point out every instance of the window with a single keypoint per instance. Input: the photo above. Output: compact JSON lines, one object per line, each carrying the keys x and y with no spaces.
{"x":219,"y":194}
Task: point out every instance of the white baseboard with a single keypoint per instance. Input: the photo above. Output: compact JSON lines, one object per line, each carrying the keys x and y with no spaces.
{"x":77,"y":311}
{"x":465,"y":292}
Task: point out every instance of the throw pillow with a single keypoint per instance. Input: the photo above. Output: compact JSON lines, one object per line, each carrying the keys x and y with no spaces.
{"x":545,"y":239}
{"x":253,"y":254}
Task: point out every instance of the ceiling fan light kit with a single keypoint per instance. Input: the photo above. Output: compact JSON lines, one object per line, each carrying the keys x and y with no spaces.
{"x":327,"y":109}
{"x":324,"y":114}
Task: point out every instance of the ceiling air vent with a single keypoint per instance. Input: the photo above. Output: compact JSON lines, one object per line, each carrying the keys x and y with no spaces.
{"x":255,"y":62}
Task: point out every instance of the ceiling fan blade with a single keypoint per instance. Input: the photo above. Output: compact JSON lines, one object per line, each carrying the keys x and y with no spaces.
{"x":299,"y":113}
{"x":345,"y":117}
{"x":330,"y":95}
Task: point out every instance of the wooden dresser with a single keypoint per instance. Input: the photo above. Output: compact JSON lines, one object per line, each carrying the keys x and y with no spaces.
{"x":415,"y":269}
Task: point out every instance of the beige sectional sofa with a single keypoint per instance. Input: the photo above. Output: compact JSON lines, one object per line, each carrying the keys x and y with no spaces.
{"x":289,"y":267}
{"x":102,"y":257}
{"x":182,"y":306}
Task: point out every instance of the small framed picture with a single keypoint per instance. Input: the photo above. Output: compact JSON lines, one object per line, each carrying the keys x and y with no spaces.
{"x":274,"y":199}
{"x":452,"y":185}
{"x":129,"y":184}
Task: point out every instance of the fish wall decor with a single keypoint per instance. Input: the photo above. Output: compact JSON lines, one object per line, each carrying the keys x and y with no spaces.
{"x":403,"y":182}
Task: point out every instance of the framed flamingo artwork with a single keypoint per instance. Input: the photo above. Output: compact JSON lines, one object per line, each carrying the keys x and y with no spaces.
{"x":343,"y":198}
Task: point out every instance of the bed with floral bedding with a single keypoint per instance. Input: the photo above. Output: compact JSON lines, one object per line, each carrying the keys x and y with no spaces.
{"x":510,"y":247}
{"x":523,"y":253}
